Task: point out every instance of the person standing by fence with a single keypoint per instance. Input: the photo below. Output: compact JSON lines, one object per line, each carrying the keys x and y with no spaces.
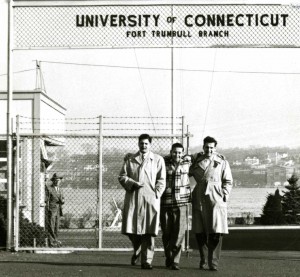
{"x":209,"y":201}
{"x":143,"y":176}
{"x":174,"y":201}
{"x":54,"y":200}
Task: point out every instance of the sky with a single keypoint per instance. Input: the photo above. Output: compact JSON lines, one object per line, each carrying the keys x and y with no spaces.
{"x":241,"y":96}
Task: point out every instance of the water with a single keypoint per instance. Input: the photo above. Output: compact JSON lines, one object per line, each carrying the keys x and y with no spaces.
{"x":80,"y":201}
{"x":248,"y":200}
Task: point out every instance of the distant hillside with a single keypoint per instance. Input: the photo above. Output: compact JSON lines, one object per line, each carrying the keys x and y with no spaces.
{"x":234,"y":154}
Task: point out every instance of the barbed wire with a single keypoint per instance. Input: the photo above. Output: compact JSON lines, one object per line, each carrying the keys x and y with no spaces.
{"x":109,"y":129}
{"x":97,"y":123}
{"x":145,"y":129}
{"x":68,"y":123}
{"x":139,"y":123}
{"x":136,"y":117}
{"x":59,"y":119}
{"x":89,"y":125}
{"x":48,"y":129}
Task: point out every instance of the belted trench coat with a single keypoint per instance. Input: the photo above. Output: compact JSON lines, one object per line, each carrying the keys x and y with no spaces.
{"x":142,"y":206}
{"x":209,"y":197}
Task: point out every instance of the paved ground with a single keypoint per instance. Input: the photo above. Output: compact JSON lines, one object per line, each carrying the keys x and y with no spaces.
{"x":233,"y":263}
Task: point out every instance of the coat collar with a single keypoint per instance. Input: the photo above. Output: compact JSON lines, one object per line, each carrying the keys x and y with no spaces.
{"x":200,"y":157}
{"x":217,"y":158}
{"x":54,"y":189}
{"x":169,"y":161}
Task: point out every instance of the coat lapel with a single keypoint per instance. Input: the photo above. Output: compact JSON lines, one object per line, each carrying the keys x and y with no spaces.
{"x":137,"y":157}
{"x":53,"y":190}
{"x":213,"y":164}
{"x":199,"y":162}
{"x":148,"y":166}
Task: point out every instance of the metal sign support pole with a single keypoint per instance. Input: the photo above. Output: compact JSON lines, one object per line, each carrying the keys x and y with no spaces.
{"x":182,"y":131}
{"x":172,"y":94}
{"x":9,"y":125}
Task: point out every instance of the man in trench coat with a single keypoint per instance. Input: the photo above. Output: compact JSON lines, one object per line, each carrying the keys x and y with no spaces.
{"x":54,"y":201}
{"x":209,"y":201}
{"x":143,"y":176}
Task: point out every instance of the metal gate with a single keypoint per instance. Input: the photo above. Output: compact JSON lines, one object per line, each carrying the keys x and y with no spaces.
{"x":90,"y":165}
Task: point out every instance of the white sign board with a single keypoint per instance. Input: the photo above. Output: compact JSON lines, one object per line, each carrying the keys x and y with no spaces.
{"x":156,"y":26}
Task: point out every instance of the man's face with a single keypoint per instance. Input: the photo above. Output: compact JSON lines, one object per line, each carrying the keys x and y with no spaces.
{"x":209,"y":149}
{"x":144,"y":145}
{"x":176,"y":154}
{"x":56,"y":182}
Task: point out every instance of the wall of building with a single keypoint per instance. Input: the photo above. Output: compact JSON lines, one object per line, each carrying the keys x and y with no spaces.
{"x":21,"y":107}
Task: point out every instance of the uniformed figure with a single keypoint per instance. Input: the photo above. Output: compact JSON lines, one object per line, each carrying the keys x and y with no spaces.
{"x":209,"y":201}
{"x":143,"y":176}
{"x":173,"y":215}
{"x":54,"y":201}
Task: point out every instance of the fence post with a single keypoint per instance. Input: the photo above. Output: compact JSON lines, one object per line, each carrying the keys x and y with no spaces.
{"x":17,"y":188}
{"x":100,"y":191}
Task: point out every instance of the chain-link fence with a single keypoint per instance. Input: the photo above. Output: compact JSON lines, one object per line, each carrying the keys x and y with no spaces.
{"x":91,"y":195}
{"x":77,"y":160}
{"x":106,"y":26}
{"x":114,"y":150}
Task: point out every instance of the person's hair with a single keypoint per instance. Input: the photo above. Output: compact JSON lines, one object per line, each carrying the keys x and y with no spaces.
{"x":209,"y":139}
{"x":145,"y":136}
{"x":177,"y":145}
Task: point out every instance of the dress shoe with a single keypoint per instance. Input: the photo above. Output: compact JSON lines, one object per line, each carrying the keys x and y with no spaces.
{"x":203,"y":266}
{"x":146,"y":266}
{"x":213,"y":268}
{"x":175,"y":266}
{"x":134,"y":259}
{"x":168,"y":262}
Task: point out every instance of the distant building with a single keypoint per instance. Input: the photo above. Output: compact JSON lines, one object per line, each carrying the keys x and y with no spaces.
{"x":251,"y":161}
{"x":260,"y":166}
{"x":237,"y":163}
{"x":276,"y":157}
{"x":286,"y":162}
{"x":279,"y":174}
{"x":259,"y":171}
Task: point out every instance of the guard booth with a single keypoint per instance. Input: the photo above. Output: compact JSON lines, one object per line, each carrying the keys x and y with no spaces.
{"x":33,"y":174}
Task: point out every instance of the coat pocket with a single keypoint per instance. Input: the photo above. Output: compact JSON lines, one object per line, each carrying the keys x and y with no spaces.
{"x":212,"y":187}
{"x":214,"y":191}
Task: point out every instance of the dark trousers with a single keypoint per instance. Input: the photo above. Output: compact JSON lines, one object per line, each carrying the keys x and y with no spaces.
{"x":53,"y":225}
{"x":210,"y":244}
{"x":173,"y":226}
{"x":143,"y":245}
